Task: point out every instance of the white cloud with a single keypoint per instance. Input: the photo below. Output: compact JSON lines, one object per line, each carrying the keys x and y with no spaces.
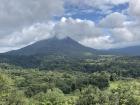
{"x":134,"y":8}
{"x":84,"y":31}
{"x":113,"y":20}
{"x":122,"y":35}
{"x":101,"y":42}
{"x":26,"y":36}
{"x":76,"y":28}
{"x":16,"y":14}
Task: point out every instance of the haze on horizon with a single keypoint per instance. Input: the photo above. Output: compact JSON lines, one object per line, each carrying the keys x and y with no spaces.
{"x":99,"y":24}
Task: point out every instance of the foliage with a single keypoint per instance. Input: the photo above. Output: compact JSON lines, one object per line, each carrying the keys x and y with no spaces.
{"x":101,"y":81}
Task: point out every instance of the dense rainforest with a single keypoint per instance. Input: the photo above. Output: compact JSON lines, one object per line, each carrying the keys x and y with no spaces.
{"x":102,"y":80}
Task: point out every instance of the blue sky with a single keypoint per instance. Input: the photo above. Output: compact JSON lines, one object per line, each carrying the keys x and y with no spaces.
{"x":100,"y":24}
{"x":93,"y":14}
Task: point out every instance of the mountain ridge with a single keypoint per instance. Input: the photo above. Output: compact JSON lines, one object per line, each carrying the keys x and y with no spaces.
{"x":69,"y":47}
{"x":127,"y":51}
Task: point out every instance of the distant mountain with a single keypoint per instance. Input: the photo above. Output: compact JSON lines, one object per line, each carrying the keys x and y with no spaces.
{"x":69,"y":47}
{"x":128,"y":51}
{"x":55,"y":46}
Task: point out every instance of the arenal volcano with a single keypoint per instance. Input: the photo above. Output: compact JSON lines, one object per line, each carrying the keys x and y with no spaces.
{"x":55,"y":46}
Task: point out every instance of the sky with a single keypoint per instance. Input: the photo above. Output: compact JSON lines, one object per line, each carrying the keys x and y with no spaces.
{"x":99,"y":24}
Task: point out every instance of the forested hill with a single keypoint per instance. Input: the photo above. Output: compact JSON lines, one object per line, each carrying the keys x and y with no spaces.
{"x":127,"y":51}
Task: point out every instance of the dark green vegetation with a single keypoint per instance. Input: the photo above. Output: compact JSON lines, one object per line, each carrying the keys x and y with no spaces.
{"x":122,"y":66}
{"x":100,"y":81}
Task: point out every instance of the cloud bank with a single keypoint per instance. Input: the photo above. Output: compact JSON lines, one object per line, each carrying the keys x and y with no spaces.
{"x":25,"y":22}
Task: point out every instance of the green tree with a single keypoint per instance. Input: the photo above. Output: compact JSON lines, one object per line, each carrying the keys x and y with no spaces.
{"x":54,"y":97}
{"x":124,"y":95}
{"x":92,"y":96}
{"x":100,"y":80}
